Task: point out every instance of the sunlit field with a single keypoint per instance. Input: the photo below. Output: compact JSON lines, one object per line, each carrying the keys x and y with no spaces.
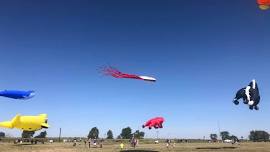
{"x":180,"y":147}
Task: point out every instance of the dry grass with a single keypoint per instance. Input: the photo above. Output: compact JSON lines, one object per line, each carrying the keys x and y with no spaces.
{"x":187,"y":147}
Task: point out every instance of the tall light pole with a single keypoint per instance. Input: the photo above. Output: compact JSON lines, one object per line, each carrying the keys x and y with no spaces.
{"x":60,"y":132}
{"x":219,"y":130}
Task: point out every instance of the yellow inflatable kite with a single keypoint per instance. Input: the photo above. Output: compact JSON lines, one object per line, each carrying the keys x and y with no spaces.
{"x":27,"y":123}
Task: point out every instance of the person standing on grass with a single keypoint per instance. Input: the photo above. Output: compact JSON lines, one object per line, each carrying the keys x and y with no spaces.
{"x":84,"y":142}
{"x":95,"y":143}
{"x":101,"y":143}
{"x":89,"y":142}
{"x":168,"y":143}
{"x":122,"y":146}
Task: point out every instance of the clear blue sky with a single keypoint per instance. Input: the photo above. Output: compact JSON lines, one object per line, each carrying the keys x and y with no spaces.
{"x":201,"y":52}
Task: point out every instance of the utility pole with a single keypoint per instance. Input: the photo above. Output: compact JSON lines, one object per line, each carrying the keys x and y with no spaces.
{"x":60,"y":132}
{"x":219,"y":130}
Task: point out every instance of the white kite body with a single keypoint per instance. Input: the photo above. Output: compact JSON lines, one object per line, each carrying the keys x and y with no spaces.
{"x":147,"y":78}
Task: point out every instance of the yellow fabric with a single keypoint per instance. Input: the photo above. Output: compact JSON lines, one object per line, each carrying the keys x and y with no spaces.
{"x":45,"y":125}
{"x":263,"y":7}
{"x":6,"y":124}
{"x":27,"y":123}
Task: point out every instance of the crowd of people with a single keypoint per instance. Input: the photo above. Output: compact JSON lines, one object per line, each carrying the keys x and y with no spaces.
{"x":98,"y":143}
{"x":94,"y":142}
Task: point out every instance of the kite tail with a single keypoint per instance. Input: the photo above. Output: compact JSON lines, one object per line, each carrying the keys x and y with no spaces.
{"x":6,"y":124}
{"x":10,"y":124}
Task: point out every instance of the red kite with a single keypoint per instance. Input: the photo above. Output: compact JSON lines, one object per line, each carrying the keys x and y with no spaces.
{"x":118,"y":74}
{"x":264,"y":4}
{"x":155,"y":122}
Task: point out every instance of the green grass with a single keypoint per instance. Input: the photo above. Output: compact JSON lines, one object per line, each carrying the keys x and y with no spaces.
{"x":180,"y":147}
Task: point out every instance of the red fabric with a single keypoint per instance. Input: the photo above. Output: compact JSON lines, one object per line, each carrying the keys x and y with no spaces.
{"x":155,"y":122}
{"x":117,"y":74}
{"x":263,"y":2}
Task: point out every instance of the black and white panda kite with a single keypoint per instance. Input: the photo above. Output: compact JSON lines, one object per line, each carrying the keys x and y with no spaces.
{"x":250,"y":95}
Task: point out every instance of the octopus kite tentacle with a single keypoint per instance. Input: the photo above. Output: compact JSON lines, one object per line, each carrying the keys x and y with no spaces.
{"x":118,"y":74}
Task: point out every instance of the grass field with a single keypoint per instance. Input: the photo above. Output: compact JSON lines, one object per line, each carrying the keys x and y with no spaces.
{"x":181,"y":147}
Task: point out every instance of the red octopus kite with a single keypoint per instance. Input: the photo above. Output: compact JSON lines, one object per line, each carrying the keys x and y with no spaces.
{"x":264,"y":4}
{"x":118,"y":74}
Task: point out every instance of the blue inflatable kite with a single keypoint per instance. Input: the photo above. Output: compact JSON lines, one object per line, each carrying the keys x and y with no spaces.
{"x":16,"y":94}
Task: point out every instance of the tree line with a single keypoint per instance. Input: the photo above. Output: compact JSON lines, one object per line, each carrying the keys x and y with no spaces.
{"x":126,"y":133}
{"x":93,"y":134}
{"x":28,"y":134}
{"x":254,"y":135}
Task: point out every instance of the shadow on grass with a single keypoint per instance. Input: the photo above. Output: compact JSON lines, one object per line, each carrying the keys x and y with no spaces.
{"x":216,"y":147}
{"x":24,"y":144}
{"x":138,"y":151}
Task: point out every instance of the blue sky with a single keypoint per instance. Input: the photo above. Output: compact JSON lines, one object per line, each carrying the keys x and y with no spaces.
{"x":201,"y":52}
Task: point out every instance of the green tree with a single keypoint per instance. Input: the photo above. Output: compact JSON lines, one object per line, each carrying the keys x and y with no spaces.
{"x":2,"y":135}
{"x":213,"y":137}
{"x":258,"y":135}
{"x":27,"y":134}
{"x":42,"y":135}
{"x":93,"y":133}
{"x":138,"y":134}
{"x":109,"y":134}
{"x":234,"y":138}
{"x":225,"y":135}
{"x":126,"y":133}
{"x":119,"y":137}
